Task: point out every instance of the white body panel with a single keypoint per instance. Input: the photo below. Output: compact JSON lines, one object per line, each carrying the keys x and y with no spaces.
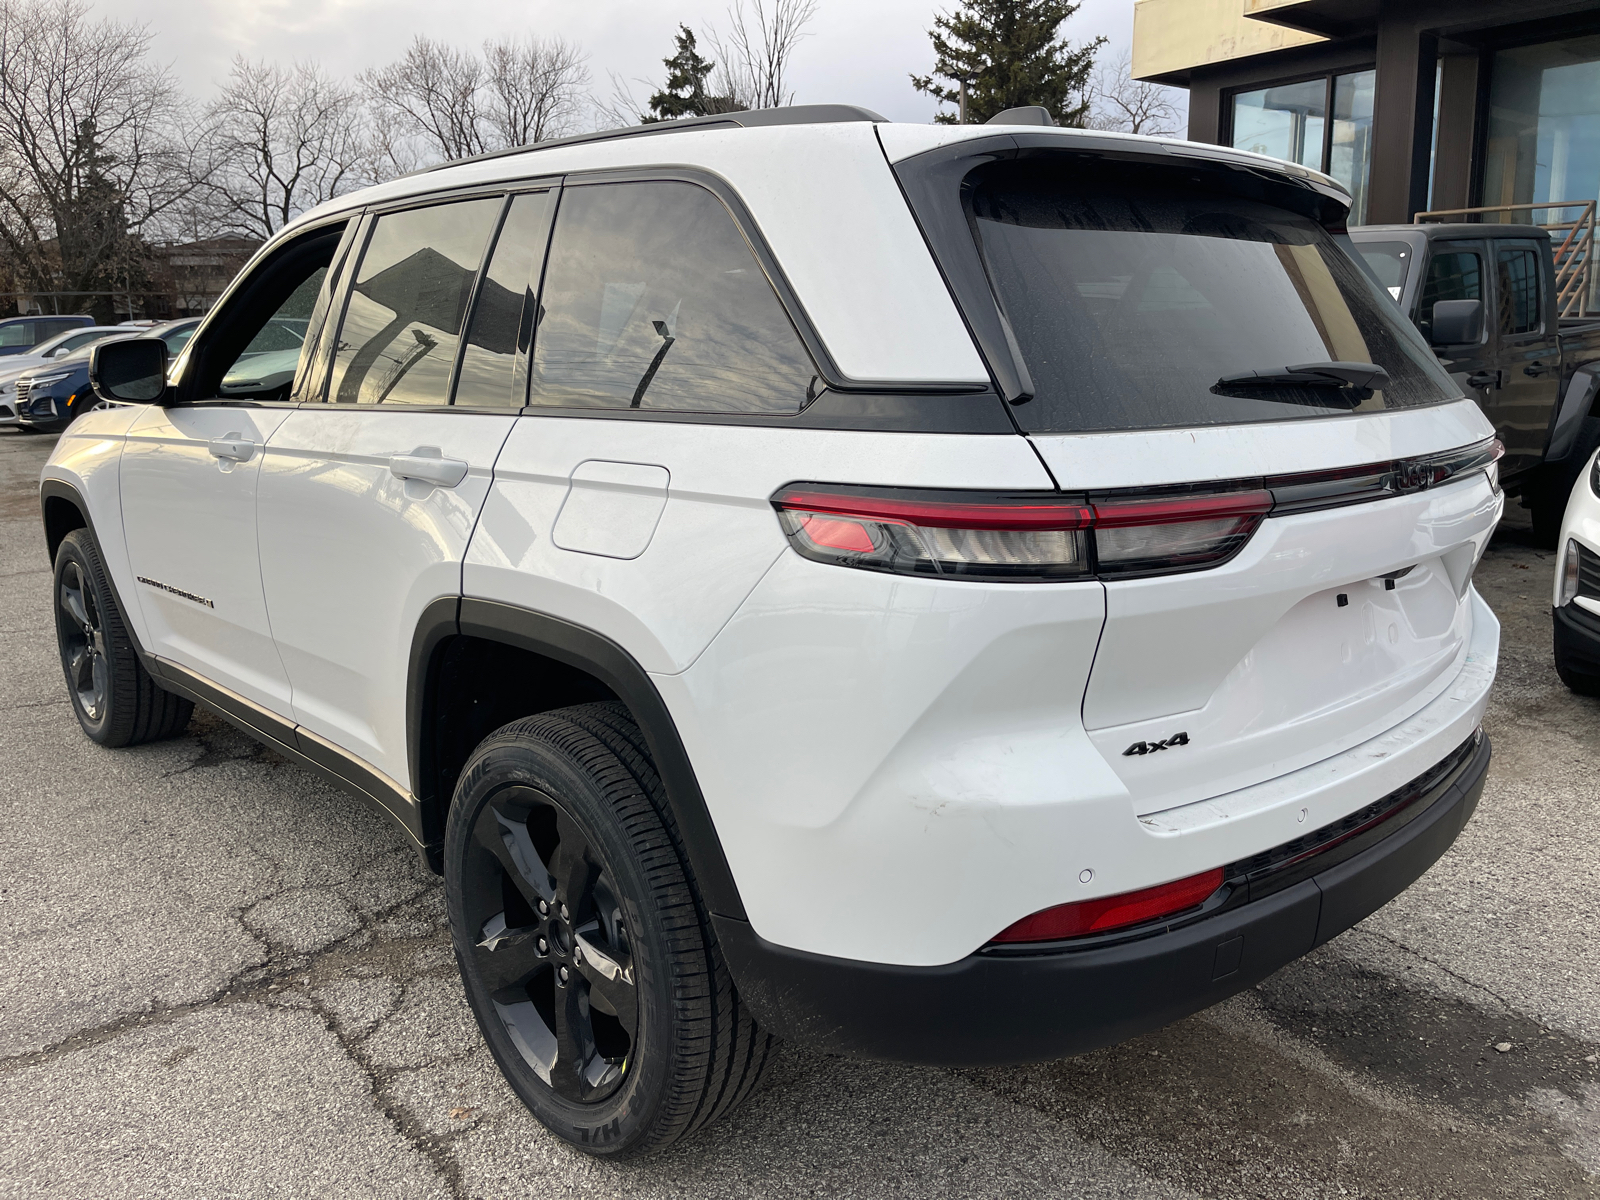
{"x":190,"y":521}
{"x":351,"y":555}
{"x":907,"y":756}
{"x":88,"y":458}
{"x":829,"y":207}
{"x":1581,"y":522}
{"x":717,"y":533}
{"x":1262,"y":667}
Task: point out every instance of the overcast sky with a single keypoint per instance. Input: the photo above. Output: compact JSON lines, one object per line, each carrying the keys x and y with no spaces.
{"x":859,"y":51}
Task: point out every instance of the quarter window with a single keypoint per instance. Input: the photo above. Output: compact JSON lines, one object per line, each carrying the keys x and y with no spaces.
{"x":1519,"y":290}
{"x":653,"y":300}
{"x":502,"y":316}
{"x":402,"y":324}
{"x":1452,"y":275}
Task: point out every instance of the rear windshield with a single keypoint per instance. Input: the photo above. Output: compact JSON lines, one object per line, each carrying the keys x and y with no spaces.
{"x":1132,"y":297}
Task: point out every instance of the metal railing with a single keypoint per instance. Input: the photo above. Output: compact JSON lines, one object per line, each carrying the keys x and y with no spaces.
{"x":1574,"y":253}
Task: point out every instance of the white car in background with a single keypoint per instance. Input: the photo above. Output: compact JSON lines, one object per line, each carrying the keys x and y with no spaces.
{"x":267,"y":366}
{"x":59,"y":346}
{"x":1577,"y":588}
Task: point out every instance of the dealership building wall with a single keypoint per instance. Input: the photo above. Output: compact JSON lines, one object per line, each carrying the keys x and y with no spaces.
{"x":1415,"y":105}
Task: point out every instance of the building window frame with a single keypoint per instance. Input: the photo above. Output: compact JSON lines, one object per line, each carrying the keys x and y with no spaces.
{"x":1329,"y":76}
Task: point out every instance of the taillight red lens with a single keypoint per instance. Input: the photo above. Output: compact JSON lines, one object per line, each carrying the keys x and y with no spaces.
{"x":1114,"y":912}
{"x":1017,"y":537}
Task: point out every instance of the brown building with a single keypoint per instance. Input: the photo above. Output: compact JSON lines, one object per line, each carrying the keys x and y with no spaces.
{"x":1416,"y":106}
{"x":180,"y":279}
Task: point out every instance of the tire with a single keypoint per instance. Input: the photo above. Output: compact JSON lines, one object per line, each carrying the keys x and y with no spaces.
{"x":564,"y":811}
{"x":1577,"y":681}
{"x":114,"y":697}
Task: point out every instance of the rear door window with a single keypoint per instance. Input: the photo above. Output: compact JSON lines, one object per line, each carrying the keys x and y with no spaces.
{"x":1517,"y":277}
{"x":502,"y":315}
{"x":1132,"y":295}
{"x":653,"y":300}
{"x":1454,"y":273}
{"x":402,"y":323}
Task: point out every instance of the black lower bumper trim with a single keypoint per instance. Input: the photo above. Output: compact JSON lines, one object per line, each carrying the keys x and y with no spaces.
{"x":1577,"y":639}
{"x":989,"y":1009}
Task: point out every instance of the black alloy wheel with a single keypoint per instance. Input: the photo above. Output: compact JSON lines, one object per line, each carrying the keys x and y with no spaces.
{"x":83,"y":642}
{"x":588,"y":958}
{"x":554,"y":953}
{"x":114,"y":698}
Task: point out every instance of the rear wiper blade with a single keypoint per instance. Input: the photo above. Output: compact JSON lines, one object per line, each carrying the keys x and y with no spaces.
{"x":1366,"y":376}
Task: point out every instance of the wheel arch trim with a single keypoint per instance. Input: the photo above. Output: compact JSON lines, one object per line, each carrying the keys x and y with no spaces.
{"x":598,"y":655}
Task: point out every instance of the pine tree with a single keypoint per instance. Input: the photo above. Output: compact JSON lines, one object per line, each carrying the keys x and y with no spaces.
{"x":684,"y":94}
{"x":1010,"y":56}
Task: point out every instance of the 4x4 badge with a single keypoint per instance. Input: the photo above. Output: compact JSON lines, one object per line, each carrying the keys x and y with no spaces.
{"x":1177,"y":739}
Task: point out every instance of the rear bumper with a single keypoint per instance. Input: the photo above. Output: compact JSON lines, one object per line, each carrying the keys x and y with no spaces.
{"x":993,"y":1008}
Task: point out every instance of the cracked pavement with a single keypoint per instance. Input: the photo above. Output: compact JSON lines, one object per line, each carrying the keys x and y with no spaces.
{"x":223,"y":978}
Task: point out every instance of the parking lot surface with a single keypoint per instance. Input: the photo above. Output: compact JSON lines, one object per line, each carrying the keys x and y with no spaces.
{"x":224,"y":978}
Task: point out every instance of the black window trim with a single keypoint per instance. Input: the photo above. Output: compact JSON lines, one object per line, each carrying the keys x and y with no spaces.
{"x":843,"y":403}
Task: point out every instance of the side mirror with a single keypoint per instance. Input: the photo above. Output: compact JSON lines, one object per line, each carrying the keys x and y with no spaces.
{"x":129,"y":371}
{"x":1457,"y":322}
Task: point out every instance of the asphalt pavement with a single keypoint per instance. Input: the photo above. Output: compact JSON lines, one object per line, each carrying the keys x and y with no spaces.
{"x":224,"y":978}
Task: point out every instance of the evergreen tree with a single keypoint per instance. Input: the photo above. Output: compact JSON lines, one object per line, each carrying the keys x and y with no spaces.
{"x":1010,"y":56}
{"x":685,"y":93}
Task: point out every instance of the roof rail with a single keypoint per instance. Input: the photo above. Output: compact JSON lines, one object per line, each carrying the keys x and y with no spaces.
{"x":756,"y":118}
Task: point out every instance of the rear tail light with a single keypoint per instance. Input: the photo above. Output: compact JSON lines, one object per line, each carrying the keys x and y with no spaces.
{"x":1017,"y":537}
{"x":1084,"y":917}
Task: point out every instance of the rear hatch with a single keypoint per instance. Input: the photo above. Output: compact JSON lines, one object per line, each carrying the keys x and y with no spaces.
{"x":1189,"y":331}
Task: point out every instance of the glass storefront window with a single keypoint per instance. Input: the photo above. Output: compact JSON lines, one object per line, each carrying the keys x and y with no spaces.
{"x":1291,"y":121}
{"x":1350,"y":155}
{"x":1285,"y":122}
{"x":1544,"y":133}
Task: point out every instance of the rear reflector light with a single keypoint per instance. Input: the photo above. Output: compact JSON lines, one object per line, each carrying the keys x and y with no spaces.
{"x":1016,"y":537}
{"x":1084,"y":917}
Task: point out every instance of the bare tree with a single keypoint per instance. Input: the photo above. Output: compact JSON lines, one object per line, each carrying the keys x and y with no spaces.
{"x":534,"y":89}
{"x":439,"y":102}
{"x":286,"y":139}
{"x":1118,"y":102}
{"x":89,"y":148}
{"x":755,"y":53}
{"x":432,"y":94}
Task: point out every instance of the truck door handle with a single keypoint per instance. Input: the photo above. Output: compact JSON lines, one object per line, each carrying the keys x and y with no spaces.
{"x":1483,"y":379}
{"x":427,"y":465}
{"x":233,"y":446}
{"x":1534,"y":370}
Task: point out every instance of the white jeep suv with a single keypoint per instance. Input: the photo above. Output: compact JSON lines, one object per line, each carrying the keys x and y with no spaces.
{"x":943,"y":594}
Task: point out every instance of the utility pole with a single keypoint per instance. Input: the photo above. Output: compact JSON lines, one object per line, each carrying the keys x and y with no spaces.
{"x":963,"y":102}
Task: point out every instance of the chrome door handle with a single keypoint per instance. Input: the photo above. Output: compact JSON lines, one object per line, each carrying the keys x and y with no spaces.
{"x":426,"y":465}
{"x":239,"y":449}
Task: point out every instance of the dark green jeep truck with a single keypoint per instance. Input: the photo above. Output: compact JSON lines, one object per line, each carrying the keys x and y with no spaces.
{"x":1501,"y":335}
